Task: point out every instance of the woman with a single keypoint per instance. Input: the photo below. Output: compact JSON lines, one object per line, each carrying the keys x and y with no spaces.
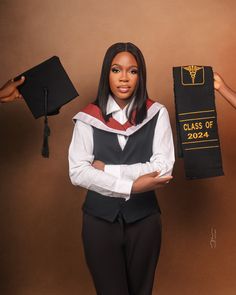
{"x":121,"y":151}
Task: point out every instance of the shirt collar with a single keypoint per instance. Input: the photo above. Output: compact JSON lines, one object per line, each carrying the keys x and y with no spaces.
{"x":113,"y":107}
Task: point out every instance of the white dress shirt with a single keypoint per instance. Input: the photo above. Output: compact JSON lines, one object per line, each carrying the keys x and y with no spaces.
{"x":117,"y":180}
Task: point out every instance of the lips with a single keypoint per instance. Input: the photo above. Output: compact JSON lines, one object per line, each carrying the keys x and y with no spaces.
{"x":123,"y":89}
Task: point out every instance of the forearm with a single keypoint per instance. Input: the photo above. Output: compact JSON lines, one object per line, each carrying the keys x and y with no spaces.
{"x":132,"y":172}
{"x":228,"y":94}
{"x":83,"y":174}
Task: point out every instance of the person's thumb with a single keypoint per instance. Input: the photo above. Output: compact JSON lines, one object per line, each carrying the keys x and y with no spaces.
{"x":154,"y":174}
{"x":20,"y":81}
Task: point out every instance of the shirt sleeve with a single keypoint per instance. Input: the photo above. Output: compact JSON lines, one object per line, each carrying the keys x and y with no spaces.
{"x":81,"y":171}
{"x":163,"y":156}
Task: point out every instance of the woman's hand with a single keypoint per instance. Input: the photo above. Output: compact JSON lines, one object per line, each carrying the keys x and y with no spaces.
{"x":149,"y":182}
{"x":9,"y":91}
{"x":98,"y":165}
{"x":224,"y":90}
{"x":218,"y":81}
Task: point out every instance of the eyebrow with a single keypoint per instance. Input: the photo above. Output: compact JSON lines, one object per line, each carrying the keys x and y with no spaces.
{"x":132,"y":66}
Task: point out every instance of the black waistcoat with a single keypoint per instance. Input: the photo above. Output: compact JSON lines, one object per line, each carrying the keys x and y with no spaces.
{"x":138,"y":149}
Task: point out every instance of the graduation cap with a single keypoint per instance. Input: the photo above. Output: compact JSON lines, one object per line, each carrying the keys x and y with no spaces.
{"x":46,"y":89}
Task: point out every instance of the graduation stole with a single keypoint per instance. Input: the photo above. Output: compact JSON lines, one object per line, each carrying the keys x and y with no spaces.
{"x":196,"y":121}
{"x":92,"y":115}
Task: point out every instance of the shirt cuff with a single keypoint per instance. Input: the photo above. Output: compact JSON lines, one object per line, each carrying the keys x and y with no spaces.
{"x":124,"y":188}
{"x":112,"y":170}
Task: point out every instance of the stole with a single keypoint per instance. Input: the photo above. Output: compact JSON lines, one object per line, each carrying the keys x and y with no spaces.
{"x":196,"y":121}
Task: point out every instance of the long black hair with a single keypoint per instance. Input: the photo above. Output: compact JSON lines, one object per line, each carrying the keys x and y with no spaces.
{"x":140,"y":92}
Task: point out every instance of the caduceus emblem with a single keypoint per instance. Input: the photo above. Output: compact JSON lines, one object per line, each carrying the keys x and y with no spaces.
{"x":193,"y":71}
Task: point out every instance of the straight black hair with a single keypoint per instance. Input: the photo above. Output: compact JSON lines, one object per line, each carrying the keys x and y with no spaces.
{"x":140,"y":93}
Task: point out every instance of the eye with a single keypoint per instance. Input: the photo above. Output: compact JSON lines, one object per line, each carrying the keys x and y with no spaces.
{"x":115,"y":70}
{"x":134,"y":71}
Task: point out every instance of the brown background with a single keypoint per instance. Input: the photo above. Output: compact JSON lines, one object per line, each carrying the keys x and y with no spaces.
{"x":40,"y":217}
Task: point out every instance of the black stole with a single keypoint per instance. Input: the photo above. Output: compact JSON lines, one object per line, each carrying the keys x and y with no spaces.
{"x":196,"y":121}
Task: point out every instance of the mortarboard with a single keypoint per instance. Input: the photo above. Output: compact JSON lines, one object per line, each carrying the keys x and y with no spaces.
{"x":46,"y":89}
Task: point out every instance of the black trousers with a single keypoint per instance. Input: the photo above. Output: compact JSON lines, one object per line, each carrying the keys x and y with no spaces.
{"x":122,"y":257}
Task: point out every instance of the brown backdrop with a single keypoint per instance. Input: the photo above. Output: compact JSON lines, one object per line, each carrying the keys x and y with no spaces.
{"x":40,"y":245}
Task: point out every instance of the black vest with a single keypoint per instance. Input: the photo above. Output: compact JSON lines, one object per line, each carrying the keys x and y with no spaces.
{"x":138,"y":149}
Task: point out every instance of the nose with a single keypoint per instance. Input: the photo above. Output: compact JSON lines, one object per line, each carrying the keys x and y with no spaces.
{"x":124,"y":76}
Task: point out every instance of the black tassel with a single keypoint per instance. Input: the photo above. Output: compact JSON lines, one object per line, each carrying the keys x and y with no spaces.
{"x":45,"y":147}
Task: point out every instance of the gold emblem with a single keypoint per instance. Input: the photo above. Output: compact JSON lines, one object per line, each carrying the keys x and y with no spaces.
{"x":192,"y":70}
